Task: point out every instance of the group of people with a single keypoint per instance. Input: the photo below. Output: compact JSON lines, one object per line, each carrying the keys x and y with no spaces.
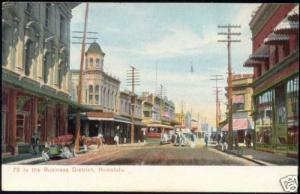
{"x":181,"y":139}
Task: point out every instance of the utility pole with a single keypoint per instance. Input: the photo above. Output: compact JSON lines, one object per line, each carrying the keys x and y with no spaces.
{"x":133,"y":77}
{"x":229,"y":80}
{"x":217,"y":78}
{"x":77,"y":131}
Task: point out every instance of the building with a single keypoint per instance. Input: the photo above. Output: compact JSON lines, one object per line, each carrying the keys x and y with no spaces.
{"x":100,"y":92}
{"x":99,"y":89}
{"x":161,"y":118}
{"x":275,"y":63}
{"x":35,"y":72}
{"x":241,"y":106}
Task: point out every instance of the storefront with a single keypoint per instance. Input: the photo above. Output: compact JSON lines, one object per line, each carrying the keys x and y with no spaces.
{"x":276,"y":118}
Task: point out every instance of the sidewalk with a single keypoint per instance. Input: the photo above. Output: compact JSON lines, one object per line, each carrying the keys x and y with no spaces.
{"x":34,"y":159}
{"x":260,"y":157}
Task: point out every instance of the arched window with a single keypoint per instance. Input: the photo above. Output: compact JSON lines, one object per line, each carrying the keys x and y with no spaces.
{"x":28,"y":57}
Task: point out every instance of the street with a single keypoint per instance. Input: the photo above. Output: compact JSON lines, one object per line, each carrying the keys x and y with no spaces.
{"x":153,"y":154}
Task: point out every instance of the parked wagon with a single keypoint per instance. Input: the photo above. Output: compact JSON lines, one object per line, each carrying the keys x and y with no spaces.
{"x":61,"y":146}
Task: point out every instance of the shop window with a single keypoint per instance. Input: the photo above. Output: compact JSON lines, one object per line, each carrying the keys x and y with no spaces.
{"x":280,"y":104}
{"x":292,"y":90}
{"x":263,"y":117}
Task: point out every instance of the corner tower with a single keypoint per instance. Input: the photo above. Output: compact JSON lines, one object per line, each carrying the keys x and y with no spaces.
{"x":94,"y":57}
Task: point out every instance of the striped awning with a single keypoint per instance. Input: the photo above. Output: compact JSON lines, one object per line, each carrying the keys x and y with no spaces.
{"x":238,"y":99}
{"x":275,"y":39}
{"x":293,"y":15}
{"x":239,"y":124}
{"x":287,"y":26}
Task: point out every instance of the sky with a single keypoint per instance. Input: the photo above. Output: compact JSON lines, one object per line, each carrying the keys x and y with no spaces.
{"x":169,"y":38}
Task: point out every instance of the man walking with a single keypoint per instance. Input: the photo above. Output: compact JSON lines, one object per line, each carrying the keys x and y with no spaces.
{"x":206,"y":140}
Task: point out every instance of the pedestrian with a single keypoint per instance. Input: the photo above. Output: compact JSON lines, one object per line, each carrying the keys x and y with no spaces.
{"x":116,"y":139}
{"x":218,"y":138}
{"x":248,"y":139}
{"x":34,"y":143}
{"x":223,"y":141}
{"x":206,"y":140}
{"x":100,"y":136}
{"x":193,"y":138}
{"x":236,"y":141}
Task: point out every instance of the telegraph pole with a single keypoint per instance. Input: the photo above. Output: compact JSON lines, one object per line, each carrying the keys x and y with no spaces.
{"x":229,"y":80}
{"x":217,"y":78}
{"x":132,"y":80}
{"x":77,"y":131}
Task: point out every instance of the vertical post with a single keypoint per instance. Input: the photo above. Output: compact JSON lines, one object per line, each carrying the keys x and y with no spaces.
{"x":77,"y":131}
{"x":229,"y":80}
{"x":132,"y":106}
{"x":229,"y":91}
{"x":13,"y":121}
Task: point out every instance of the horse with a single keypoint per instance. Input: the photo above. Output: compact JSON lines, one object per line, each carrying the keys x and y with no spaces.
{"x":87,"y":141}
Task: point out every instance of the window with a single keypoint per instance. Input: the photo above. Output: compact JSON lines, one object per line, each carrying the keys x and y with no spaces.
{"x":29,"y":8}
{"x":60,"y":76}
{"x":97,"y":94}
{"x":91,"y":61}
{"x":62,"y":28}
{"x":46,"y":67}
{"x":47,"y":14}
{"x":91,"y":94}
{"x":280,"y":104}
{"x":6,"y":31}
{"x":263,"y":118}
{"x":293,"y":110}
{"x":28,"y":57}
{"x":98,"y":63}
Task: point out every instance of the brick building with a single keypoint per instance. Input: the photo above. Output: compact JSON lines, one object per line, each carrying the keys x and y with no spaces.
{"x":275,"y":62}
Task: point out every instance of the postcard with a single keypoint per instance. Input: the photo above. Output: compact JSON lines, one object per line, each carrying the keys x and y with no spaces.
{"x":180,"y":97}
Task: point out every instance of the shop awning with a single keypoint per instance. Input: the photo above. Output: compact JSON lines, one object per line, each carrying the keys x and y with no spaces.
{"x":159,"y":126}
{"x":239,"y":124}
{"x":260,"y":54}
{"x":251,"y":63}
{"x":238,"y":99}
{"x":275,"y":39}
{"x":293,"y":15}
{"x":287,"y":26}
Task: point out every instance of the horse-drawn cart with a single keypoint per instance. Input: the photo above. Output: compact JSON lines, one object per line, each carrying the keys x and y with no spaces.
{"x":61,"y":146}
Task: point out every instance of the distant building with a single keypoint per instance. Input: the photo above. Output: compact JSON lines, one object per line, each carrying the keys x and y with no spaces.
{"x":35,"y":72}
{"x":158,"y":114}
{"x":241,"y":106}
{"x":275,"y":62}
